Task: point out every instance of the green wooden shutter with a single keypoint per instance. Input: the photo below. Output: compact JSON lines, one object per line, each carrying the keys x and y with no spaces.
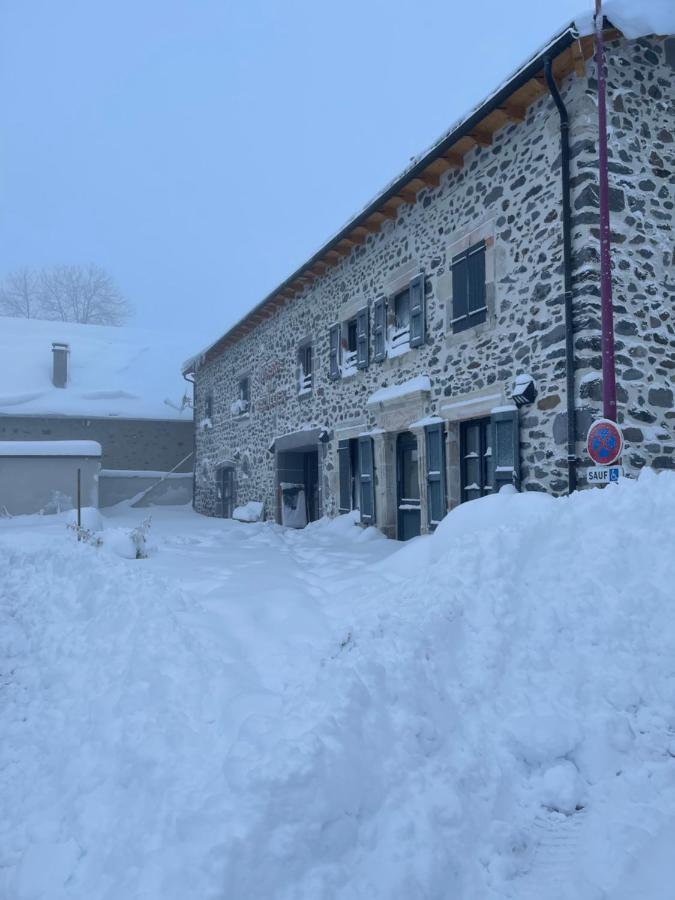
{"x":379,"y":328}
{"x":367,"y":480}
{"x":334,"y":360}
{"x":505,"y":447}
{"x":436,"y":502}
{"x":362,"y":338}
{"x":417,"y":312}
{"x":345,"y":474}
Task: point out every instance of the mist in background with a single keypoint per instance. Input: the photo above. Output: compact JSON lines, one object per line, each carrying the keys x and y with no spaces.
{"x":201,"y":150}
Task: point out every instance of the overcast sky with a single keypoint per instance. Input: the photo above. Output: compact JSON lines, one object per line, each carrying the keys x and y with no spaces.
{"x":201,"y":150}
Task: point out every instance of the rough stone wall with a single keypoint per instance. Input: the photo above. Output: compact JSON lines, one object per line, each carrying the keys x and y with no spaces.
{"x":510,"y":194}
{"x":126,"y":443}
{"x":641,"y":135}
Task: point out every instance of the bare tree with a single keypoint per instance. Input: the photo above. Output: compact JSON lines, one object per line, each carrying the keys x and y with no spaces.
{"x":20,"y":294}
{"x":82,"y":294}
{"x":85,"y":294}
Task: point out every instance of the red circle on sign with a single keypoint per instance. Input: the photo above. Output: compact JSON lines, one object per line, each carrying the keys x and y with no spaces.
{"x":604,"y":442}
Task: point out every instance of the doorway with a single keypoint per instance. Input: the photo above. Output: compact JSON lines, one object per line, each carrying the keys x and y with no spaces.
{"x":298,"y":479}
{"x":408,"y":486}
{"x":226,"y":490}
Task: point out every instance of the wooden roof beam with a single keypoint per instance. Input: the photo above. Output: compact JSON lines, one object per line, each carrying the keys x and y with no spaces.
{"x":373,"y":225}
{"x":350,"y":242}
{"x":430,"y":179}
{"x":360,"y":231}
{"x":455,"y":159}
{"x":538,"y":83}
{"x":390,"y":209}
{"x":374,"y":222}
{"x":482,"y":138}
{"x":512,"y":112}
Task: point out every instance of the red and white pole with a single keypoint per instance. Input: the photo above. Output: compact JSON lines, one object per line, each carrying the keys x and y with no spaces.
{"x":607,"y":319}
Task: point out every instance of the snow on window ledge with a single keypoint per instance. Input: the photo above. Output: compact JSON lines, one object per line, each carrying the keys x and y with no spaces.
{"x":239,"y":407}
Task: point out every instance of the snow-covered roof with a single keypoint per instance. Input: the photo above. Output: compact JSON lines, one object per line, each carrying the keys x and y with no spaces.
{"x":121,"y":372}
{"x":50,"y":448}
{"x":633,"y":19}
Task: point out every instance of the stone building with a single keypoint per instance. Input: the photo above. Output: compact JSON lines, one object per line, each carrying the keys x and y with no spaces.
{"x":120,"y":387}
{"x":447,"y":340}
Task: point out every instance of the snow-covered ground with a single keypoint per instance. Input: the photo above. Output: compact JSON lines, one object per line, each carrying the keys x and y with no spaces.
{"x":254,"y":713}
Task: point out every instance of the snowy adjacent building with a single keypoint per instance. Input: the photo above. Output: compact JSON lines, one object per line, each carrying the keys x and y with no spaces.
{"x":118,"y":387}
{"x":447,"y":340}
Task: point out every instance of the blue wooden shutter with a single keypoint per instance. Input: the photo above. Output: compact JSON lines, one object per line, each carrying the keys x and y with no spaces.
{"x":367,"y":480}
{"x":334,"y":359}
{"x":460,"y":292}
{"x":505,"y":448}
{"x":379,"y":328}
{"x":436,"y":503}
{"x":362,"y":338}
{"x":476,"y":292}
{"x":219,"y":494}
{"x":417,"y":312}
{"x":345,"y":473}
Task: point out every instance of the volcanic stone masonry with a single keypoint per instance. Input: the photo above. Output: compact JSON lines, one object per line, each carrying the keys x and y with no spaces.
{"x":510,"y":195}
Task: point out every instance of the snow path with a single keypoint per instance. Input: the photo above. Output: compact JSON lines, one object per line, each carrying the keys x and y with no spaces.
{"x":125,"y":684}
{"x":255,"y":713}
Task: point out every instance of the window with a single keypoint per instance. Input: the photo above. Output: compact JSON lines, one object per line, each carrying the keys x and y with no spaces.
{"x":469,"y":305}
{"x":476,"y":458}
{"x":399,"y":322}
{"x":305,"y":374}
{"x":208,"y":405}
{"x":400,"y":333}
{"x":349,"y":346}
{"x":243,"y":401}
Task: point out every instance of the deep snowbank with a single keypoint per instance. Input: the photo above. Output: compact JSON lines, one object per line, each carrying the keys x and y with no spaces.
{"x":498,"y":720}
{"x":487,"y":713}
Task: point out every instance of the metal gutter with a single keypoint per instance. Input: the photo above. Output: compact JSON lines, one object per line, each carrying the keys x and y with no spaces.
{"x":567,"y":275}
{"x":524,"y":74}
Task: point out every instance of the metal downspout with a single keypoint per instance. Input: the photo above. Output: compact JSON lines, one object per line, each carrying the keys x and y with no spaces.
{"x":567,"y":275}
{"x":194,"y":437}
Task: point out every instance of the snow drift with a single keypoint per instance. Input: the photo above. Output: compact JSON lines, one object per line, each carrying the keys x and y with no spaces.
{"x":486,"y":713}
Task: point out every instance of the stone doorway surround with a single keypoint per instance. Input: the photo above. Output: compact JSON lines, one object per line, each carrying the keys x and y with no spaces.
{"x":472,"y":405}
{"x":393,"y":415}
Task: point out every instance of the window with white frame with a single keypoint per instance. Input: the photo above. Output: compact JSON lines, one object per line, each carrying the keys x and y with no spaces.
{"x":242,"y":403}
{"x":305,"y":368}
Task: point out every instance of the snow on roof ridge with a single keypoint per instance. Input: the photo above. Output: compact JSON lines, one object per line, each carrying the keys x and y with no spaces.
{"x":50,"y":448}
{"x":126,"y":372}
{"x":633,"y":19}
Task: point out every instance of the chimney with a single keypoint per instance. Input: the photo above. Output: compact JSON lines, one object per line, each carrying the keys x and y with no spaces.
{"x":60,"y":364}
